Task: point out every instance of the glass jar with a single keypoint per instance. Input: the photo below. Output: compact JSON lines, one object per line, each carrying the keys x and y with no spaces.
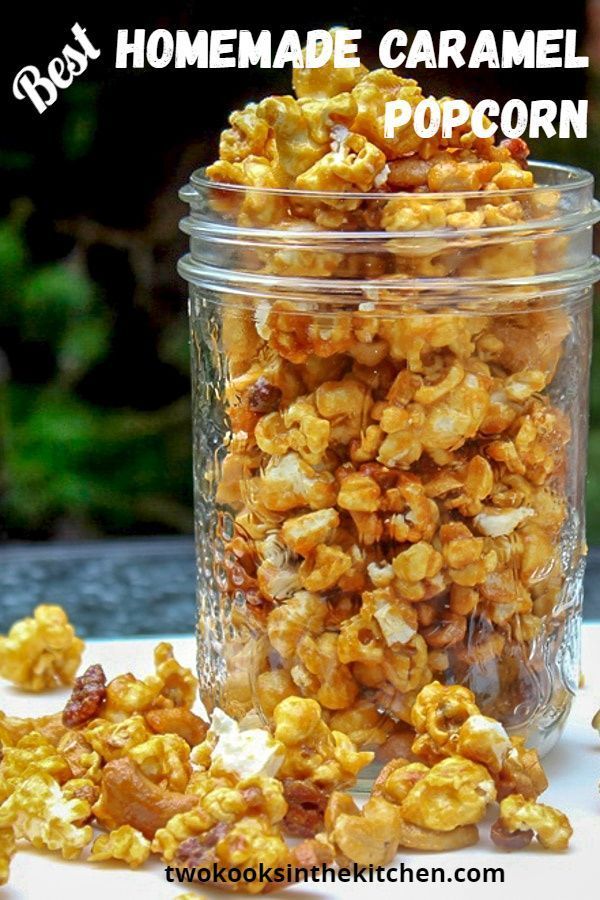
{"x":390,"y":423}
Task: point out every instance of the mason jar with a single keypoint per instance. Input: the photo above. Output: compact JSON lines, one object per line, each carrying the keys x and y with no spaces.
{"x":390,"y":422}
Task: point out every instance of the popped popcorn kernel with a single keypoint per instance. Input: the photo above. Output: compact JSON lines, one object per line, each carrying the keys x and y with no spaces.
{"x":39,"y":813}
{"x":178,"y":829}
{"x":312,"y":750}
{"x":437,"y":715}
{"x":245,"y":844}
{"x":551,"y":826}
{"x":367,"y":836}
{"x":326,"y":81}
{"x":114,"y":740}
{"x":33,"y":753}
{"x":41,"y":651}
{"x":164,"y":759}
{"x":124,"y":843}
{"x":178,"y":684}
{"x":8,"y":846}
{"x":455,"y":792}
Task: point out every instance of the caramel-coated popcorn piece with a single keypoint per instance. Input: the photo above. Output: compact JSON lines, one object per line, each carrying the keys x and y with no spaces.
{"x":367,"y":836}
{"x":289,"y":483}
{"x":551,"y":826}
{"x":326,"y":81}
{"x":39,"y":813}
{"x":301,"y":615}
{"x":312,"y":750}
{"x":179,"y":828}
{"x":32,"y":754}
{"x":437,"y":716}
{"x":245,"y":844}
{"x":178,"y":684}
{"x":113,"y":740}
{"x":371,"y":94}
{"x":124,"y":843}
{"x":319,"y":673}
{"x":483,"y":740}
{"x":521,"y":772}
{"x":13,"y":728}
{"x":127,"y":695}
{"x":42,"y":651}
{"x":455,"y":792}
{"x":165,"y":760}
{"x":306,"y":533}
{"x":7,"y":850}
{"x":81,"y":789}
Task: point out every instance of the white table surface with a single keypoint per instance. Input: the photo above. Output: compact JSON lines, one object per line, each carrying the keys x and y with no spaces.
{"x":573,"y":768}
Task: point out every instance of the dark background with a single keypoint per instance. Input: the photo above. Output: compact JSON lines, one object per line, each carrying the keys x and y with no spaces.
{"x":94,"y":405}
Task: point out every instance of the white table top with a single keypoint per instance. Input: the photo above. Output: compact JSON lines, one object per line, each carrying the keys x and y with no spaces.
{"x":573,"y":768}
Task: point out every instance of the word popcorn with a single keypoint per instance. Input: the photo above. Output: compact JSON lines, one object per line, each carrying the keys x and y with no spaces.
{"x":430,"y":117}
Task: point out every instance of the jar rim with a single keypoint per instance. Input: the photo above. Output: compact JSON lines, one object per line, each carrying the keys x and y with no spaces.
{"x":574,"y":178}
{"x":253,"y":284}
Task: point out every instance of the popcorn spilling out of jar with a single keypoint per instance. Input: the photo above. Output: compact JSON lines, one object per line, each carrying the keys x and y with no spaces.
{"x":126,"y":772}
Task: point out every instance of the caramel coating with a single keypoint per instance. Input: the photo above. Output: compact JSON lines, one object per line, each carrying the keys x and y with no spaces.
{"x":155,"y":794}
{"x":7,"y":850}
{"x":38,"y":811}
{"x":128,"y":797}
{"x":519,"y":815}
{"x":124,"y":843}
{"x":42,"y":651}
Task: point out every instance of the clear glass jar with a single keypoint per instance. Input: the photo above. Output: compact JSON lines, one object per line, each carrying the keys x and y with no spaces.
{"x":390,"y":423}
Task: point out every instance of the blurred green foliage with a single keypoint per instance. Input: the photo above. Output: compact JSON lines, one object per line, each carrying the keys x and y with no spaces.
{"x":69,"y":463}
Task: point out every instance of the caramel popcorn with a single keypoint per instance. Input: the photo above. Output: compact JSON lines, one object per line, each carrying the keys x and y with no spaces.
{"x":453,"y":793}
{"x":178,"y":684}
{"x":518,"y":815}
{"x":41,"y":651}
{"x":231,"y":798}
{"x":124,"y":843}
{"x":38,"y":812}
{"x":31,"y":755}
{"x":7,"y":850}
{"x":113,"y":740}
{"x":312,"y":750}
{"x":245,"y":844}
{"x":437,"y":715}
{"x":164,"y":759}
{"x":178,"y":829}
{"x":367,"y":836}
